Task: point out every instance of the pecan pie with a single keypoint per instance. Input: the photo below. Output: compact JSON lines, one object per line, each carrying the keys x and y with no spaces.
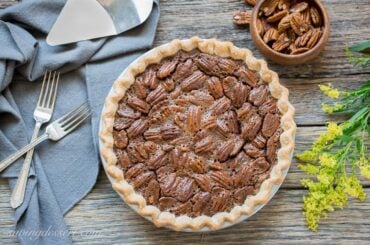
{"x":196,"y":133}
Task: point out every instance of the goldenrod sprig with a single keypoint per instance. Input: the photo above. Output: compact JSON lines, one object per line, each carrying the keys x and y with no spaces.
{"x":338,"y":155}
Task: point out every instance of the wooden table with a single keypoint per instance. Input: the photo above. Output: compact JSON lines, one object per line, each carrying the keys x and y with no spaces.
{"x":281,"y":221}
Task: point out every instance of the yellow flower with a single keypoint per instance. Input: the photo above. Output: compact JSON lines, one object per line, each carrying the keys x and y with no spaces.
{"x":330,"y":109}
{"x":309,"y":168}
{"x":353,"y":187}
{"x":333,"y":130}
{"x":330,"y":91}
{"x":327,"y":160}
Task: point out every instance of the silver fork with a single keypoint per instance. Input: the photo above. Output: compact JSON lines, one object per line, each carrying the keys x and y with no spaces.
{"x":54,"y":131}
{"x":42,"y":114}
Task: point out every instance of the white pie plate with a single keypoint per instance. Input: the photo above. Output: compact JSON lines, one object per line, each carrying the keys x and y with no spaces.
{"x":226,"y":224}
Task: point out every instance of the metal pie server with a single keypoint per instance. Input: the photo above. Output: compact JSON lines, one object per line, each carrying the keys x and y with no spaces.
{"x":88,"y":19}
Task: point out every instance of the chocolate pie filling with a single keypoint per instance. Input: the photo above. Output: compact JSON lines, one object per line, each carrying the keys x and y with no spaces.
{"x":196,"y":134}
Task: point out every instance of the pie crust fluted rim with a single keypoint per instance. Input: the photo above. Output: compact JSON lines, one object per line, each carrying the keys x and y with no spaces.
{"x":184,"y":222}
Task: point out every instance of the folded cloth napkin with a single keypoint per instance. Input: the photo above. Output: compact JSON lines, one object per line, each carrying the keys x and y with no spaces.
{"x":62,"y":172}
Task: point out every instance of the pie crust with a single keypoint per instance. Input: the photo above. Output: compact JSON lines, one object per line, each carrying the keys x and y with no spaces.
{"x":184,"y":222}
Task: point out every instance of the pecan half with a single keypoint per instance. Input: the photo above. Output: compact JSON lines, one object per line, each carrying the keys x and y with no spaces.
{"x":281,"y":43}
{"x":200,"y":202}
{"x":298,"y":24}
{"x":231,"y":122}
{"x":227,"y":66}
{"x":209,"y":123}
{"x":166,"y":68}
{"x":238,"y":144}
{"x":128,"y":112}
{"x":158,"y":160}
{"x":269,"y":6}
{"x":284,"y":24}
{"x":316,"y":34}
{"x":253,"y":151}
{"x":241,"y":93}
{"x":170,"y":132}
{"x":247,"y":76}
{"x":137,"y":128}
{"x":220,"y":106}
{"x":150,"y":79}
{"x":216,"y":166}
{"x":197,"y":165}
{"x":270,"y":124}
{"x":176,"y":158}
{"x":165,"y":203}
{"x":228,"y":84}
{"x":152,"y":192}
{"x":260,"y":164}
{"x":244,"y":176}
{"x":153,"y":134}
{"x":224,"y":150}
{"x":120,"y":139}
{"x":183,"y":70}
{"x":205,"y":145}
{"x":200,"y":98}
{"x":142,"y":179}
{"x":271,"y":150}
{"x":138,"y":104}
{"x":315,"y":17}
{"x":259,"y":27}
{"x":271,"y":35}
{"x":277,"y":16}
{"x":222,"y":178}
{"x":246,"y":112}
{"x":302,"y":40}
{"x":241,"y":194}
{"x":123,"y":159}
{"x":258,"y":95}
{"x":194,"y":117}
{"x":137,"y":152}
{"x":135,"y":171}
{"x":299,"y":51}
{"x":207,"y":63}
{"x":185,"y":189}
{"x":242,"y":17}
{"x":139,"y":88}
{"x":121,"y":123}
{"x":183,"y":208}
{"x":251,"y":127}
{"x":156,"y":95}
{"x":259,"y":141}
{"x":168,"y":85}
{"x":215,"y":87}
{"x":220,"y":201}
{"x":299,"y":7}
{"x":194,"y":81}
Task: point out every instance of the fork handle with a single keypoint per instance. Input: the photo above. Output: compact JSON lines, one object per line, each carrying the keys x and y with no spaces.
{"x":12,"y":158}
{"x":17,"y":196}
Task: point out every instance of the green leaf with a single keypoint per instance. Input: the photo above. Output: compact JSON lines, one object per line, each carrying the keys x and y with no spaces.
{"x":363,"y":47}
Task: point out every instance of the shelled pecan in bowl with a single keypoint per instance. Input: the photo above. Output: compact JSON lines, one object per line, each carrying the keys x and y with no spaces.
{"x":292,"y":28}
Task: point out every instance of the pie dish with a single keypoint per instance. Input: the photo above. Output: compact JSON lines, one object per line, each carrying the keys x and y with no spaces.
{"x":197,"y":134}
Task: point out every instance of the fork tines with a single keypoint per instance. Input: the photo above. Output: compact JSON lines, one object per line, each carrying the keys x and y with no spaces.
{"x":74,"y":118}
{"x":48,"y":89}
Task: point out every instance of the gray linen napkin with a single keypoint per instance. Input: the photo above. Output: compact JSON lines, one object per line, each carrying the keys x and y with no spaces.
{"x":62,"y":172}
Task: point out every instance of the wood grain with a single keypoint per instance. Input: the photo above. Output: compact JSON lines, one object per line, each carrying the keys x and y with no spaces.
{"x":281,"y":221}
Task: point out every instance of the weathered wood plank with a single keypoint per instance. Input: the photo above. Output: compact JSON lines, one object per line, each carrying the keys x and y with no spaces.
{"x":349,"y":24}
{"x":280,"y":222}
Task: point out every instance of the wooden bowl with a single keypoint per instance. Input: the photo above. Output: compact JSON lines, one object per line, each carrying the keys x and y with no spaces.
{"x":287,"y":59}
